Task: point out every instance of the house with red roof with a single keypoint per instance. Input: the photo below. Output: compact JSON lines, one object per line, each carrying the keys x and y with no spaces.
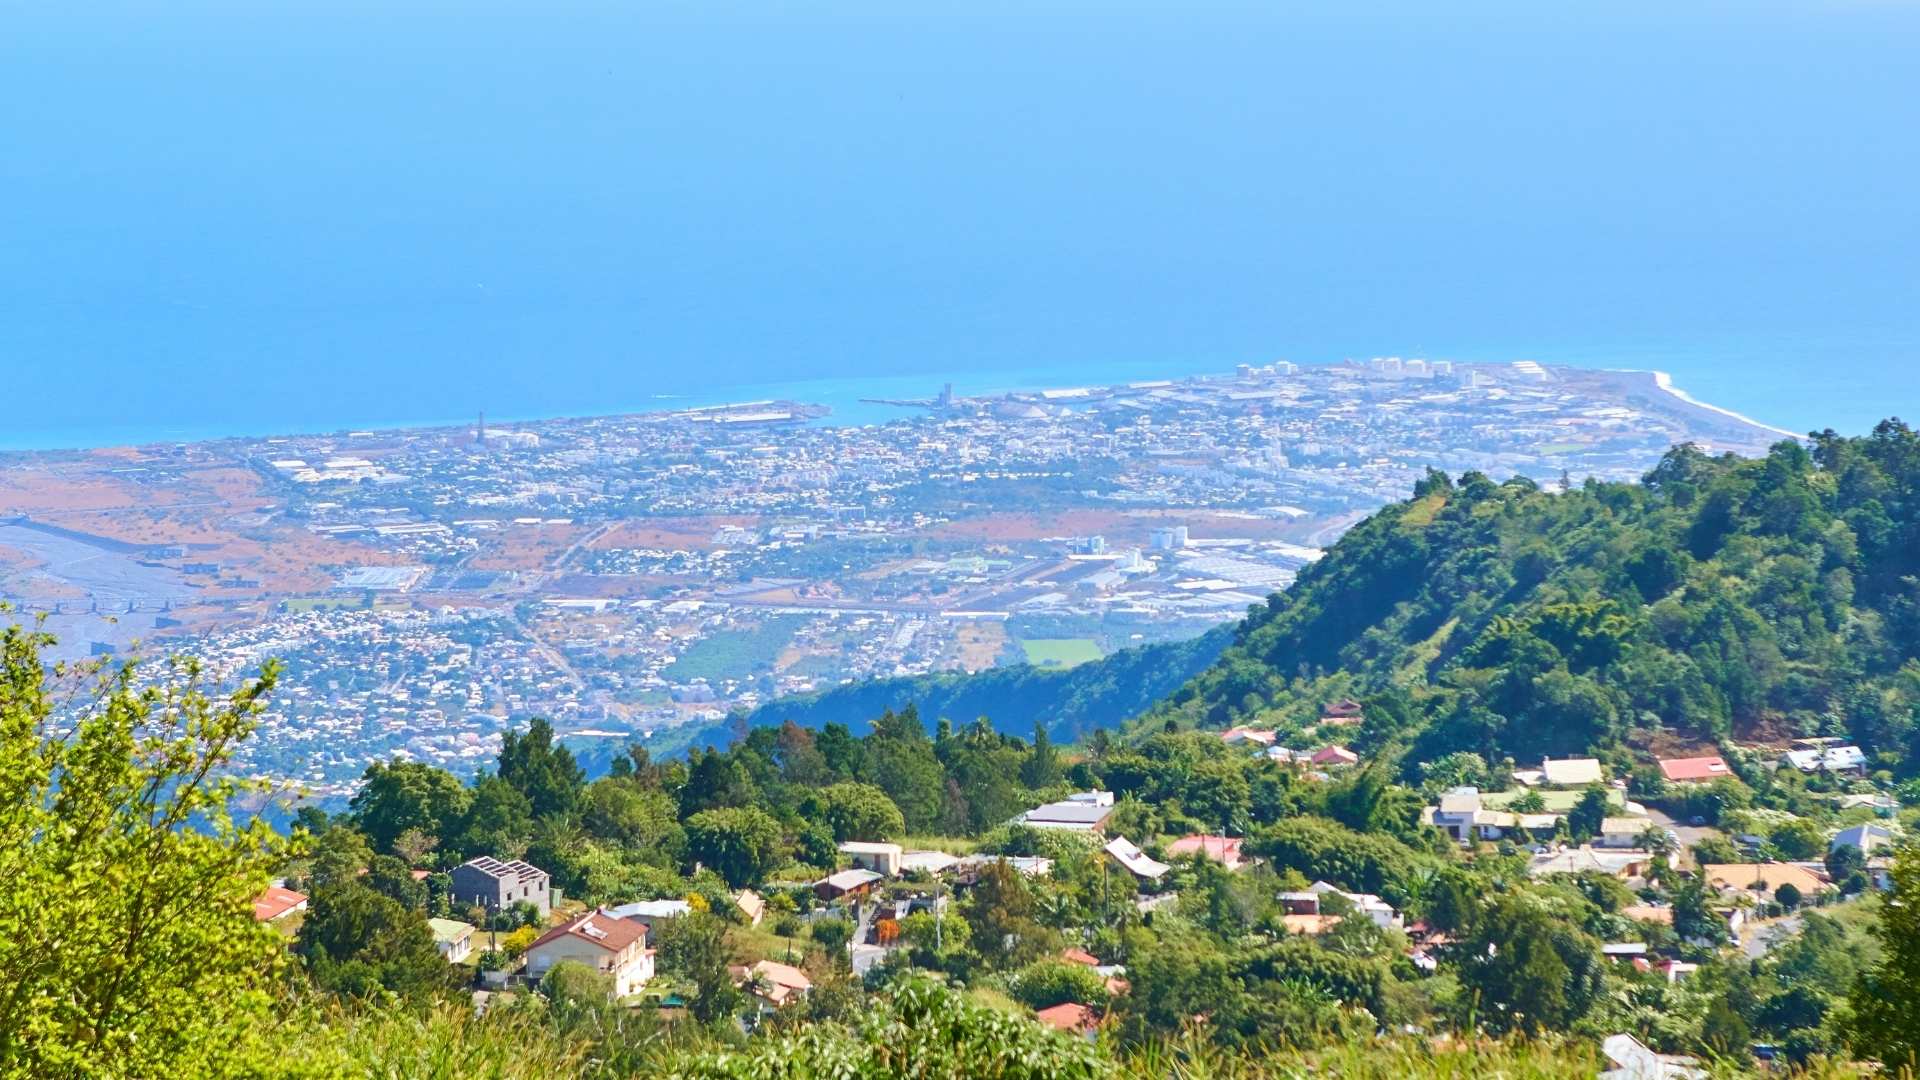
{"x":773,"y":983}
{"x":1224,"y":850}
{"x":1694,"y":770}
{"x":1334,"y":757}
{"x":606,"y":943}
{"x":277,"y":903}
{"x":1070,"y":1016}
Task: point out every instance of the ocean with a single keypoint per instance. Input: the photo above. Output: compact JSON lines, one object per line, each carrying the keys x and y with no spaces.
{"x":217,"y":218}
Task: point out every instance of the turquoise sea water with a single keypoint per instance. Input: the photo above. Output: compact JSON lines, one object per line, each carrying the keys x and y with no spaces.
{"x":219,"y":218}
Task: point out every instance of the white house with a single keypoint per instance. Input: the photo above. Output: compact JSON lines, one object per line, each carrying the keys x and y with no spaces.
{"x":1136,"y":861}
{"x":607,"y":943}
{"x":1378,"y":911}
{"x":1865,"y":837}
{"x":883,"y":859}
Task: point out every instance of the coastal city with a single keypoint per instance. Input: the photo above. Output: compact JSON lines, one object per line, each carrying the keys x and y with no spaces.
{"x":643,"y":578}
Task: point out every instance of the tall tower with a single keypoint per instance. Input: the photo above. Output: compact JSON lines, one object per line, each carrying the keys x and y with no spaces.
{"x":480,"y":430}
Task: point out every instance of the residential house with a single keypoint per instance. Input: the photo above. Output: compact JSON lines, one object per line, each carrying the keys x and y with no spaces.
{"x":1085,"y":811}
{"x":1570,"y":772}
{"x":1224,"y":850}
{"x":1333,"y":757}
{"x":1300,"y":902}
{"x":278,"y":902}
{"x":1343,"y":713}
{"x":1376,"y":910}
{"x":930,"y":862}
{"x":1071,"y":1017}
{"x":1239,"y":736}
{"x":497,"y":886}
{"x":1624,"y":865}
{"x":855,"y":883}
{"x":776,"y":985}
{"x":1694,"y":770}
{"x":1649,"y":913}
{"x":1461,"y":816}
{"x":1763,"y":877}
{"x":611,"y":945}
{"x":1674,"y":970}
{"x":882,"y":859}
{"x":1833,"y":759}
{"x":1136,"y":861}
{"x":1621,"y":833}
{"x":453,"y":938}
{"x":1867,"y":838}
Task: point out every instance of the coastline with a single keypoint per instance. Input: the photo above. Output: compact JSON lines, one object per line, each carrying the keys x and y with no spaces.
{"x":1664,"y":382}
{"x":851,"y":402}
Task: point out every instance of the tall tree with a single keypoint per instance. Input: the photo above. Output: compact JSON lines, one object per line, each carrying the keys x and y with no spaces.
{"x":741,"y":843}
{"x":801,"y":762}
{"x":901,"y":761}
{"x":1042,"y":767}
{"x":359,"y":943}
{"x":1885,"y":1021}
{"x":402,"y":795}
{"x":542,"y":769}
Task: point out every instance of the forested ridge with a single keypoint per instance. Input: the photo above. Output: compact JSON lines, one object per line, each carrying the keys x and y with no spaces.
{"x":1071,"y":703}
{"x":1719,"y":597}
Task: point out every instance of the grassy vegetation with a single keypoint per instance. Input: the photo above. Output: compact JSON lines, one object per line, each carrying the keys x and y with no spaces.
{"x":753,"y":943}
{"x":1060,"y":653}
{"x":952,"y":845}
{"x":324,"y":603}
{"x":1557,"y":802}
{"x":735,"y":654}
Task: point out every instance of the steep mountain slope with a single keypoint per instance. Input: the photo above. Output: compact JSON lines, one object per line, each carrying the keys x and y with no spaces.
{"x":1720,"y":595}
{"x":1071,"y":703}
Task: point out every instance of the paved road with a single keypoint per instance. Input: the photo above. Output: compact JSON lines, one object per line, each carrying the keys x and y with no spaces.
{"x":1689,"y":834}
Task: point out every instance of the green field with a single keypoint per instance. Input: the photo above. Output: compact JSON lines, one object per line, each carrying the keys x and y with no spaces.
{"x":1060,"y":652}
{"x":325,"y":603}
{"x":735,"y":654}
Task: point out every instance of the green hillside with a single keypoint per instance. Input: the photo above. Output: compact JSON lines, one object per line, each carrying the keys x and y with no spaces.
{"x":1072,"y":702}
{"x":1721,"y":596}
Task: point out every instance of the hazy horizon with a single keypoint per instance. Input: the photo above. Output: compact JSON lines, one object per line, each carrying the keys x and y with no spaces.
{"x":222,"y":219}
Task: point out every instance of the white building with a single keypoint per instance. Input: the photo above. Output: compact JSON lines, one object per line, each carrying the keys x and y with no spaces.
{"x":608,"y":944}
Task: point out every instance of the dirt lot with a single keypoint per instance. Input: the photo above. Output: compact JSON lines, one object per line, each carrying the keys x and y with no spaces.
{"x":526,"y":547}
{"x":671,"y":534}
{"x":980,"y":644}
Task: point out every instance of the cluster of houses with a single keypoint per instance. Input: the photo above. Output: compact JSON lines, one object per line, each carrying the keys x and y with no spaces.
{"x":611,"y":940}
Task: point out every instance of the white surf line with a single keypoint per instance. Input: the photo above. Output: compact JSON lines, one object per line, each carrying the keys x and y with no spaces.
{"x":1665,"y":382}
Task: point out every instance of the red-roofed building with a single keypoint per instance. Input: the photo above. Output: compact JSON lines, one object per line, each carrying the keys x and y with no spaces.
{"x":1080,"y":956}
{"x":1334,"y":756}
{"x":614,"y":946}
{"x":1224,"y":850}
{"x":1070,"y":1016}
{"x":1694,"y":770}
{"x":277,"y":903}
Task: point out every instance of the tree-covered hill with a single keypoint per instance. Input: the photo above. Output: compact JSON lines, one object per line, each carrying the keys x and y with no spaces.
{"x":1071,"y":703}
{"x":1719,"y":596}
